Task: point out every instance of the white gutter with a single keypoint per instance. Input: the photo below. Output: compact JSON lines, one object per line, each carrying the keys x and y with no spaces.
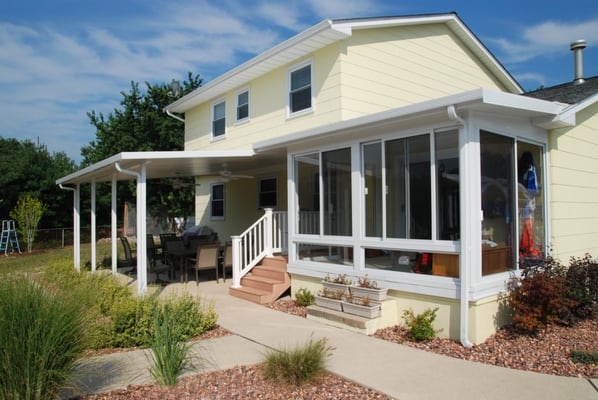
{"x":463,"y":271}
{"x":174,"y":116}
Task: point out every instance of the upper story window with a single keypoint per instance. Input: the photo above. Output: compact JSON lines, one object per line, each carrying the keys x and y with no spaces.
{"x":218,"y":119}
{"x":299,"y":84}
{"x":243,"y":105}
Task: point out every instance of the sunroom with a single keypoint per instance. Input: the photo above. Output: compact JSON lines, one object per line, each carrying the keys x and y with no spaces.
{"x":440,"y":202}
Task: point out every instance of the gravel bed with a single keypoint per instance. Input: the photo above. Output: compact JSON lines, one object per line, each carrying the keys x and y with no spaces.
{"x":548,"y":354}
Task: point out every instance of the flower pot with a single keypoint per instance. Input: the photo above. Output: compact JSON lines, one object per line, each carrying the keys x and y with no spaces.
{"x":373,"y":294}
{"x":336,"y":286}
{"x":326,"y":302}
{"x":369,"y":311}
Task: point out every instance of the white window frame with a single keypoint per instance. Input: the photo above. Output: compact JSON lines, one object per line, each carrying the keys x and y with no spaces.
{"x":214,"y":105}
{"x":290,"y":70}
{"x":212,"y":186}
{"x":237,"y":105}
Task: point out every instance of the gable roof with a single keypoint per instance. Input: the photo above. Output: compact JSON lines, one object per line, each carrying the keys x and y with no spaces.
{"x":326,"y":33}
{"x":569,"y":92}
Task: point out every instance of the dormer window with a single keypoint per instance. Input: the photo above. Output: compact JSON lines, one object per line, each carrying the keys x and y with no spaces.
{"x":299,"y":84}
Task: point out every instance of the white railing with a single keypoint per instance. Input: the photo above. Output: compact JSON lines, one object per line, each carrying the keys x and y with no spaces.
{"x":267,"y":235}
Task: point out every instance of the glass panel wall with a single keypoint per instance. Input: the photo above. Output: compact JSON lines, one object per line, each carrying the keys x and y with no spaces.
{"x":372,"y":176}
{"x":530,"y":207}
{"x":327,"y":254}
{"x":336,"y":175}
{"x":307,"y":179}
{"x":447,"y":184}
{"x":408,"y":210}
{"x":498,"y":199}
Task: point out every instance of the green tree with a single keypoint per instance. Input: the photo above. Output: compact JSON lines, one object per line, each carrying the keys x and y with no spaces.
{"x":27,"y":214}
{"x":140,"y":124}
{"x":26,"y":167}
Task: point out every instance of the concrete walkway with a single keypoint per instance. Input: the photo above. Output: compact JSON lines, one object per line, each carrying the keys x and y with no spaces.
{"x":399,"y":371}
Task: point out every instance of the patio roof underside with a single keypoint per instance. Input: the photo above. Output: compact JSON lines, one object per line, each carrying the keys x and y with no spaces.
{"x":173,"y":164}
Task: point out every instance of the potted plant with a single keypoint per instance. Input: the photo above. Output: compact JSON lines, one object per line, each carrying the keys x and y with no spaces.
{"x":339,"y":282}
{"x":330,"y":298}
{"x":368,"y":288}
{"x":361,"y":306}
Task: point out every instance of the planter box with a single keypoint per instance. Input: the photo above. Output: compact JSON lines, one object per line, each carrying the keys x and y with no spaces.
{"x":371,"y":311}
{"x":336,"y":286}
{"x":373,"y":294}
{"x":332,"y":304}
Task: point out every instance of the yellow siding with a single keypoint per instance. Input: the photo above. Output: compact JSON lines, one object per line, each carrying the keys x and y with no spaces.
{"x":372,"y":71}
{"x":574,"y":187}
{"x":240,"y":202}
{"x":389,"y":68}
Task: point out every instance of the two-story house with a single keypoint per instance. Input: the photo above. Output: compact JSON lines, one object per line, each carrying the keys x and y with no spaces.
{"x":395,"y":147}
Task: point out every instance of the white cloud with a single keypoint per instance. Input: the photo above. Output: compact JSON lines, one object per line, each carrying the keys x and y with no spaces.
{"x":334,"y":9}
{"x":546,"y":40}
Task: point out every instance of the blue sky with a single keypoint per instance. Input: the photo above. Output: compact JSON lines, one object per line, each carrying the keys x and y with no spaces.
{"x":60,"y":59}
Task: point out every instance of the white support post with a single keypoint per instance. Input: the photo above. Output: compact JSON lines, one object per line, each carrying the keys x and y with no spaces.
{"x":113,"y":227}
{"x":93,"y":226}
{"x":236,"y":261}
{"x":77,"y":227}
{"x":141,"y":231}
{"x":269,"y":228}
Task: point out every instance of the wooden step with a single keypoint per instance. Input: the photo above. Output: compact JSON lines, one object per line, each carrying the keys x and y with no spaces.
{"x":266,"y":282}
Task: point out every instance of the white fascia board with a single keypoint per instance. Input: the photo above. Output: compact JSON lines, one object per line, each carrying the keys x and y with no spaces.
{"x":306,"y":42}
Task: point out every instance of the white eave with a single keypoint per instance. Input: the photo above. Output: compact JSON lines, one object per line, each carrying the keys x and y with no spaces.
{"x":325,"y":33}
{"x":484,"y":100}
{"x":567,"y":117}
{"x":160,"y":164}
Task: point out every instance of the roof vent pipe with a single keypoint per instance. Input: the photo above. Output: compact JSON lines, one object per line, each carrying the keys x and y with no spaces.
{"x":577,"y":49}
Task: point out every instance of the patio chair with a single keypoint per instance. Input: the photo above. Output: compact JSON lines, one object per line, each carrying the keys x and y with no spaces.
{"x":207,"y":258}
{"x":227,"y":261}
{"x":165,"y":237}
{"x":155,"y":266}
{"x":130,"y":262}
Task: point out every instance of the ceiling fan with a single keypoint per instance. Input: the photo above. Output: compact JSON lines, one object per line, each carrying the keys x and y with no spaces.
{"x":178,"y":183}
{"x":226,"y":175}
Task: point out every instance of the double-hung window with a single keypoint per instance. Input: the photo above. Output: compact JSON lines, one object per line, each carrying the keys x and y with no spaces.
{"x":218,"y":119}
{"x":267,"y":193}
{"x":242,"y":105}
{"x":217,"y":201}
{"x":299,"y":84}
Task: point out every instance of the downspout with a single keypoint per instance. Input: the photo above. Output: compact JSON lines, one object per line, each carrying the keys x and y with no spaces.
{"x":174,"y":116}
{"x":464,"y":275}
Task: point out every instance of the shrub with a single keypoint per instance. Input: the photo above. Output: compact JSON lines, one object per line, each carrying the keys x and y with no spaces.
{"x":582,"y":287}
{"x":298,"y":365}
{"x":421,"y":326}
{"x":41,"y":338}
{"x":538,"y":297}
{"x":584,"y":357}
{"x":304,"y":298}
{"x":169,"y":353}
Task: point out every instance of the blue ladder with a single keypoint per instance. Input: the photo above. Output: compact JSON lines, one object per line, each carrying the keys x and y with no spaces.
{"x":9,"y":238}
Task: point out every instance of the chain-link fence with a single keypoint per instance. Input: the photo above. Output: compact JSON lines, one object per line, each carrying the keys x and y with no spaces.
{"x":49,"y":238}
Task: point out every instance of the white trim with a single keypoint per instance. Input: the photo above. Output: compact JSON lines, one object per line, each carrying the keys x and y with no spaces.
{"x":237,"y":94}
{"x":290,"y":70}
{"x":213,"y":106}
